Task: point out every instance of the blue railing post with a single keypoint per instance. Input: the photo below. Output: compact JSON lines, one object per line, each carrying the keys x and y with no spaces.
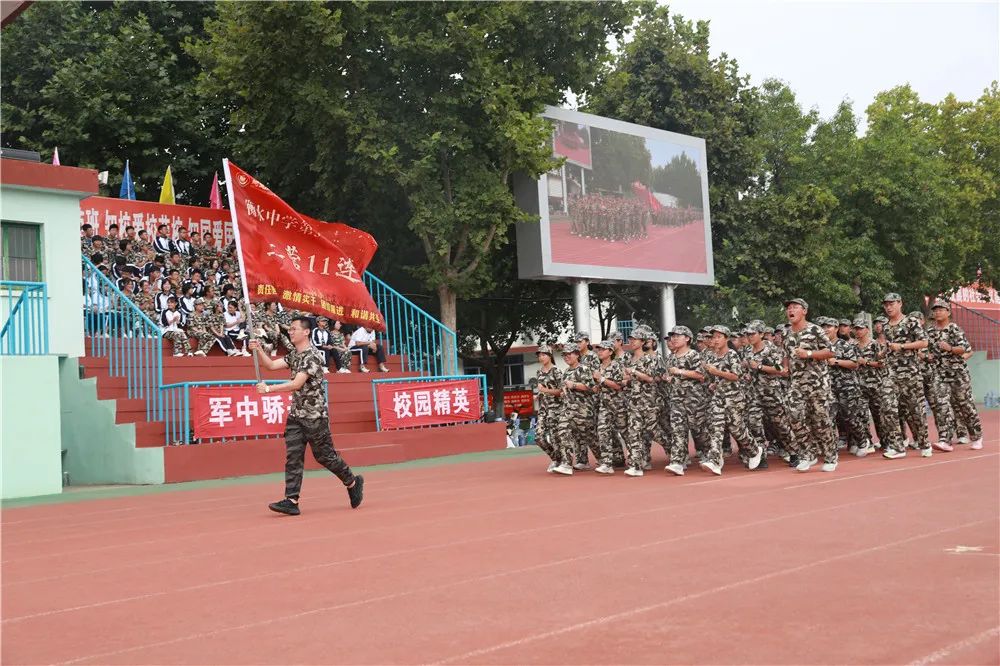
{"x":25,"y":330}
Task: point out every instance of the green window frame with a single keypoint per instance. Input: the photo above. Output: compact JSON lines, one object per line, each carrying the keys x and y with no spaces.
{"x":20,"y":252}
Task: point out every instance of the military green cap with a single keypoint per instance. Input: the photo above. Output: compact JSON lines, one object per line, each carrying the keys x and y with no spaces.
{"x":570,"y":348}
{"x":719,"y":328}
{"x":941,"y":303}
{"x":826,"y":321}
{"x":641,"y":332}
{"x":860,"y":322}
{"x":891,"y":297}
{"x":916,"y":314}
{"x":881,"y":319}
{"x":768,"y":330}
{"x":681,"y":330}
{"x":606,"y":344}
{"x":845,"y":322}
{"x":805,"y":306}
{"x":581,"y":336}
{"x":616,"y":336}
{"x":755,"y":327}
{"x":544,"y":349}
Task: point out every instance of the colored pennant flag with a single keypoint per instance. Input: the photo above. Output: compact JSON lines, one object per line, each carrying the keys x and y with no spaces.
{"x":55,"y":157}
{"x":214,"y":197}
{"x":302,"y":263}
{"x":167,"y":191}
{"x":127,"y":190}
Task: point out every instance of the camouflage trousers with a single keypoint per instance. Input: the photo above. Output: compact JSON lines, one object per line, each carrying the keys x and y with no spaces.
{"x":204,"y":339}
{"x":575,"y":432}
{"x":939,"y":398}
{"x":849,"y":413}
{"x":315,"y":433}
{"x":643,"y":424}
{"x":768,"y":419}
{"x":588,"y":414}
{"x":611,"y":425}
{"x":687,"y":417}
{"x":729,"y":413}
{"x":884,"y":406}
{"x":959,"y":392}
{"x":808,"y":410}
{"x":547,"y":434}
{"x":179,"y":339}
{"x":910,"y":393}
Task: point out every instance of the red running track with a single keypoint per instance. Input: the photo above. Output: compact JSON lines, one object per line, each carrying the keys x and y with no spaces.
{"x":680,"y":249}
{"x":497,"y":562}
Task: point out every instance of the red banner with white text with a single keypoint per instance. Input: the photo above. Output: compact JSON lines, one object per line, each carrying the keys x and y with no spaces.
{"x":102,"y":212}
{"x":406,"y":405}
{"x":237,"y":411}
{"x":302,"y":263}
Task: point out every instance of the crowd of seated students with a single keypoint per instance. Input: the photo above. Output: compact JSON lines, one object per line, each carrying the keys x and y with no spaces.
{"x":191,"y":288}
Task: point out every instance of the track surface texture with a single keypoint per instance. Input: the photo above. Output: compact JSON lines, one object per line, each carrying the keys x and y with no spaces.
{"x":680,"y":249}
{"x":497,"y":562}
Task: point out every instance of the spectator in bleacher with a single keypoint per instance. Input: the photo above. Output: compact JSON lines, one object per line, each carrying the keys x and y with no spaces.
{"x":155,"y":280}
{"x":186,"y":301}
{"x":156,"y":262}
{"x":195,"y":283}
{"x":195,"y":263}
{"x":130,"y":234}
{"x":178,"y":263}
{"x":321,"y":340}
{"x":183,"y":242}
{"x":365,"y":340}
{"x":229,"y":296}
{"x":198,"y":327}
{"x":162,"y":299}
{"x":96,"y":247}
{"x":112,"y":235}
{"x":162,"y":243}
{"x":86,"y":236}
{"x":235,"y":326}
{"x":170,"y":324}
{"x":342,"y":354}
{"x":144,"y":240}
{"x":144,"y":300}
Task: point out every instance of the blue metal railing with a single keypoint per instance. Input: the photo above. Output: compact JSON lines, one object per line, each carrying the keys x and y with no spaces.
{"x":119,"y":330}
{"x":424,"y":380}
{"x":25,"y":331}
{"x":426,"y":345}
{"x":177,"y":410}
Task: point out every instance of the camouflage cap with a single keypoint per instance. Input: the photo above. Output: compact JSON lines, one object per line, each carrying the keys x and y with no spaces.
{"x":826,"y":321}
{"x":891,"y":297}
{"x":581,"y":336}
{"x":681,"y":330}
{"x":768,"y":330}
{"x":881,"y":319}
{"x":616,"y":336}
{"x":641,"y":332}
{"x":805,"y":306}
{"x":755,"y":327}
{"x":941,"y":303}
{"x":860,"y":322}
{"x":705,"y":329}
{"x":606,"y":344}
{"x":544,"y":349}
{"x":719,"y":328}
{"x":916,"y":314}
{"x":570,"y":348}
{"x":845,"y":322}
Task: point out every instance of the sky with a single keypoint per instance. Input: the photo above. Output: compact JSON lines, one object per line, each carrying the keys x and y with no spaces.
{"x":853,"y":49}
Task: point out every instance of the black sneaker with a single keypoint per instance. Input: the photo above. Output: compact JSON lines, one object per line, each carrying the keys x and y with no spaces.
{"x":357,"y":492}
{"x":285,"y":506}
{"x":793,"y":461}
{"x":763,"y":463}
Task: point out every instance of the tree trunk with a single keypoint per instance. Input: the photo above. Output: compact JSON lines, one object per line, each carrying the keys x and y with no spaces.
{"x":449,"y":317}
{"x":498,"y":377}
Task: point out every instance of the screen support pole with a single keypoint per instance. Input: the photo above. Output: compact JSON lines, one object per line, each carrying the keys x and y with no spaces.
{"x":668,"y":318}
{"x":581,"y":306}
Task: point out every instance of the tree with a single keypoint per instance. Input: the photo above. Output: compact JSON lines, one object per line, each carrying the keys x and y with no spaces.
{"x":436,"y":103}
{"x":106,"y":82}
{"x":679,"y":178}
{"x":619,"y":160}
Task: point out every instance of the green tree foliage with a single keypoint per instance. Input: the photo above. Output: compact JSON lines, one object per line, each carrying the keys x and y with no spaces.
{"x":106,"y":82}
{"x":679,"y":178}
{"x":619,"y":160}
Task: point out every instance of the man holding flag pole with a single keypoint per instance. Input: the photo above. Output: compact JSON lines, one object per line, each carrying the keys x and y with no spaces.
{"x":306,"y":265}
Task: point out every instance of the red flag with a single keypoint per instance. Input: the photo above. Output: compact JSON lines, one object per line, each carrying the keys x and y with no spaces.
{"x":302,"y":263}
{"x":214,"y":198}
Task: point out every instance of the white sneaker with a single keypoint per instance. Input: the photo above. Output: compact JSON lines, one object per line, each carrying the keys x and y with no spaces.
{"x":199,"y":353}
{"x":190,"y":354}
{"x":712,"y":467}
{"x":976,"y":445}
{"x":648,"y":467}
{"x":786,"y":456}
{"x":178,"y":354}
{"x":829,"y":467}
{"x":963,"y":440}
{"x":633,"y":471}
{"x":605,"y":469}
{"x":926,"y":453}
{"x":755,"y":460}
{"x":893,"y":455}
{"x":943,"y":446}
{"x":244,"y":353}
{"x":675,"y":468}
{"x":343,"y":371}
{"x":581,"y":467}
{"x":805,"y":465}
{"x":908,"y":444}
{"x":364,"y":369}
{"x":563,"y":469}
{"x":853,"y":450}
{"x":864,"y":451}
{"x":552,"y":467}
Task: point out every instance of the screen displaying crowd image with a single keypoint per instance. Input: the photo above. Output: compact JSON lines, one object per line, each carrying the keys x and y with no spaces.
{"x":617,"y":187}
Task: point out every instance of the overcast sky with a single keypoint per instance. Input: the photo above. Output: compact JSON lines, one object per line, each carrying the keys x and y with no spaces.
{"x":828,"y":51}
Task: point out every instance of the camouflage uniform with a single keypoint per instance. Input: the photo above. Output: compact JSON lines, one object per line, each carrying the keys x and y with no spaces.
{"x":769,"y":395}
{"x":591,"y":363}
{"x":337,"y":339}
{"x":878,"y":392}
{"x":198,"y":328}
{"x":809,"y":395}
{"x":548,"y":412}
{"x":309,"y":422}
{"x":727,"y":411}
{"x":850,"y":411}
{"x":609,"y":408}
{"x":688,"y":408}
{"x":904,"y":369}
{"x":953,"y":378}
{"x":575,"y":426}
{"x":642,"y":405}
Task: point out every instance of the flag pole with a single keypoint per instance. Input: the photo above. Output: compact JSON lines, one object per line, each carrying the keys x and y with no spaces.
{"x":239,"y":258}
